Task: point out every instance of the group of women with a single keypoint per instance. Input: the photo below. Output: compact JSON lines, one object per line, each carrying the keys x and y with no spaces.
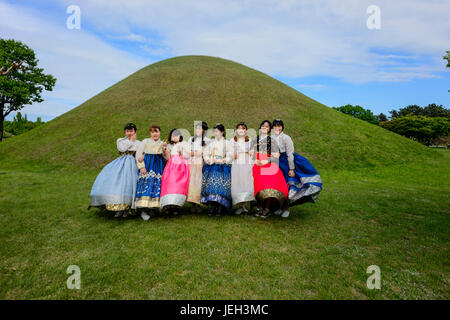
{"x":154,"y":176}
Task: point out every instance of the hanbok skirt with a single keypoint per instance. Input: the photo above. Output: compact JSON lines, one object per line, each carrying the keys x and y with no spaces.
{"x":216,"y":184}
{"x":269,"y":181}
{"x":115,"y":185}
{"x":195,"y":181}
{"x":149,"y":184}
{"x":175,"y":182}
{"x":306,"y":185}
{"x":242,"y":189}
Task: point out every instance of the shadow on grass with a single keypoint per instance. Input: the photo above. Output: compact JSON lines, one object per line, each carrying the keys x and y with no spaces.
{"x":297,"y":215}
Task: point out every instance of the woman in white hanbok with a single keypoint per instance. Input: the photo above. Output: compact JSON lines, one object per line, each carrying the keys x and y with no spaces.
{"x":197,"y":143}
{"x":242,"y":190}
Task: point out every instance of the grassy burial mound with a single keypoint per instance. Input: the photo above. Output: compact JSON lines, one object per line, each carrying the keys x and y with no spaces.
{"x":177,"y":91}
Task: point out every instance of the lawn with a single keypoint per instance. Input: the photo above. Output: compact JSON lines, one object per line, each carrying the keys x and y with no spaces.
{"x":396,"y":217}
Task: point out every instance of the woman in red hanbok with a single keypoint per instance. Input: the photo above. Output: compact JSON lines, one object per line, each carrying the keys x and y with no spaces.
{"x":271,"y":190}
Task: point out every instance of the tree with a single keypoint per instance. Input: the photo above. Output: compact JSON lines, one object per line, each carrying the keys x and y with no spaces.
{"x":358,"y":112}
{"x":381,"y":117}
{"x":421,"y":128}
{"x":432,"y":110}
{"x":23,"y":82}
{"x":447,"y":57}
{"x":20,"y":124}
{"x":411,"y":109}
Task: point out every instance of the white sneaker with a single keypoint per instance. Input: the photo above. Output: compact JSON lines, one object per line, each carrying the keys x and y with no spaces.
{"x":285,"y":214}
{"x":145,"y":216}
{"x":238,"y":211}
{"x":244,"y":209}
{"x":118,"y":214}
{"x":125,"y":214}
{"x":278,"y":212}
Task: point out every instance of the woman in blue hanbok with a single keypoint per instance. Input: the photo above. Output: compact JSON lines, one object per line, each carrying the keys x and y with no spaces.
{"x":115,"y":186}
{"x":303,"y":180}
{"x":150,"y":163}
{"x":216,"y":180}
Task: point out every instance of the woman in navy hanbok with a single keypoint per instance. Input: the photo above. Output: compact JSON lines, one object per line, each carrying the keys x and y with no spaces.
{"x":303,"y":180}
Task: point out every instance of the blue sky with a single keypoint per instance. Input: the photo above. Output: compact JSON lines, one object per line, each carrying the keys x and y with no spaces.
{"x":321,"y":48}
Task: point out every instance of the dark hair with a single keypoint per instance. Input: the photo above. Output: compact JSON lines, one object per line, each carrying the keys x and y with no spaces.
{"x":130,"y":126}
{"x":269,"y":139}
{"x":266,"y":121}
{"x":154,"y":127}
{"x":220,"y":127}
{"x":241,"y":124}
{"x":278,"y":122}
{"x":176,"y":132}
{"x":204,"y":126}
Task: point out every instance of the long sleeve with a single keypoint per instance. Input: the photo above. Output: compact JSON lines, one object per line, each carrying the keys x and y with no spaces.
{"x":273,"y":150}
{"x":252,"y":149}
{"x":123,"y":144}
{"x":140,"y":152}
{"x":185,"y":150}
{"x":290,"y":151}
{"x":229,"y":152}
{"x":207,"y":153}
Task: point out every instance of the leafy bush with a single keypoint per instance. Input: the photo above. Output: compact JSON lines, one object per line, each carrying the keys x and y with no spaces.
{"x":432,"y":110}
{"x":19,"y":125}
{"x":358,"y":112}
{"x":421,"y":128}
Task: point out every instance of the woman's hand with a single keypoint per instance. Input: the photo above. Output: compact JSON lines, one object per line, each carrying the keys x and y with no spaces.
{"x":143,"y":171}
{"x":291,"y":173}
{"x":141,"y":158}
{"x":276,"y":154}
{"x":258,"y":162}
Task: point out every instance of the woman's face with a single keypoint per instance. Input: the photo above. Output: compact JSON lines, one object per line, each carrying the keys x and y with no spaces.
{"x":265,"y":128}
{"x":198,"y":131}
{"x":241,"y":131}
{"x":155,"y":134}
{"x":217,"y":133}
{"x":175,"y":138}
{"x":277,"y":129}
{"x":129,"y":133}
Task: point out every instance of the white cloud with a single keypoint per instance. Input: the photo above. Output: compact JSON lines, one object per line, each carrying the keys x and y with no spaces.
{"x":83,"y":64}
{"x":284,"y":38}
{"x":292,"y":38}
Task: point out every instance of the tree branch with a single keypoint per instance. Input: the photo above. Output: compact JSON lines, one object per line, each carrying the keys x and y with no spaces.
{"x":13,"y":66}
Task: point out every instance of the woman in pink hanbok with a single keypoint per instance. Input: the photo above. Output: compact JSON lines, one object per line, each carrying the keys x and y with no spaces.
{"x":175,"y":179}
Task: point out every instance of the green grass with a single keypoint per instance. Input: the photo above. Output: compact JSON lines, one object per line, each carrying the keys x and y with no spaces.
{"x":395,"y":217}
